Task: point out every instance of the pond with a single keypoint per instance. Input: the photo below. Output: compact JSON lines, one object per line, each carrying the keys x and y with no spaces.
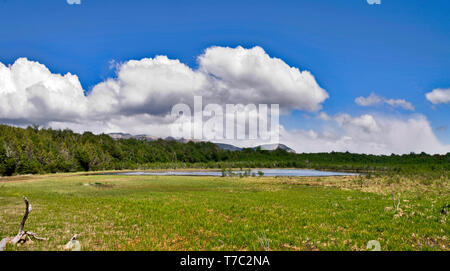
{"x":267,"y":172}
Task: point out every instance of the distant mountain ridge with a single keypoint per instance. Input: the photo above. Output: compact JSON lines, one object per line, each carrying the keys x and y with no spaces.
{"x":266,"y":147}
{"x":128,"y":136}
{"x":228,"y":147}
{"x":273,"y":147}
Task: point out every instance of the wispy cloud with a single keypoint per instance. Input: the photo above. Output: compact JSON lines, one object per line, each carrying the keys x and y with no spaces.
{"x":374,"y":99}
{"x":74,"y":2}
{"x":373,"y":2}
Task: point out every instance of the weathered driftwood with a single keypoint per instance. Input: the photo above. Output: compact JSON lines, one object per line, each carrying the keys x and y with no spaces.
{"x":4,"y":242}
{"x":23,"y":236}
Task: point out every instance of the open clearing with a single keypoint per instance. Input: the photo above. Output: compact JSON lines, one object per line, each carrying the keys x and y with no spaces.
{"x":215,"y":213}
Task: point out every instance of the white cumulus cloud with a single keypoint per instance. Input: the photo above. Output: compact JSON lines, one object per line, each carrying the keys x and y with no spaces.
{"x":251,"y":76}
{"x":30,"y":93}
{"x":224,"y":76}
{"x":439,"y":96}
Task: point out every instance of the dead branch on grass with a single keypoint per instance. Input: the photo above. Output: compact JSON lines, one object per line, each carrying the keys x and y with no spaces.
{"x":23,"y":236}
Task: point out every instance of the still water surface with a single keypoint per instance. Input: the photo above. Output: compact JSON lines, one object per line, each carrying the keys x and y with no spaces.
{"x":267,"y":172}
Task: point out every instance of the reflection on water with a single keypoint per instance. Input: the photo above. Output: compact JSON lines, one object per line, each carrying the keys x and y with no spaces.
{"x":267,"y":172}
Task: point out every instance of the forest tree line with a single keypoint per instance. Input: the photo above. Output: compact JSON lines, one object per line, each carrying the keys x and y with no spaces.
{"x":37,"y":151}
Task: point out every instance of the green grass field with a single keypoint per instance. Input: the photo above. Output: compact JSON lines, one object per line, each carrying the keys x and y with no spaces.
{"x":213,"y":213}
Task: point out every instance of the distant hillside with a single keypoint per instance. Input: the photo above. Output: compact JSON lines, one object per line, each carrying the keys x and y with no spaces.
{"x":272,"y":147}
{"x":33,"y":150}
{"x":267,"y":147}
{"x":128,"y":136}
{"x":229,"y":147}
{"x":117,"y":136}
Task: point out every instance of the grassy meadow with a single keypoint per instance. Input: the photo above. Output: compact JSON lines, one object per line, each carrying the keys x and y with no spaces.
{"x":227,"y":213}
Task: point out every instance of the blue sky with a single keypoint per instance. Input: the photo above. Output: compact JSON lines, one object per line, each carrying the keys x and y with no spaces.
{"x":398,"y":49}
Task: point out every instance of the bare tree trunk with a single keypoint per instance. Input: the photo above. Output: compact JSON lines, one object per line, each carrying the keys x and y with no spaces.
{"x":28,"y":210}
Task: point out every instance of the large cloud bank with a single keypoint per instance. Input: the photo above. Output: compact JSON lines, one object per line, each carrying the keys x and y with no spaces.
{"x":140,"y":98}
{"x":368,"y":134}
{"x":28,"y":90}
